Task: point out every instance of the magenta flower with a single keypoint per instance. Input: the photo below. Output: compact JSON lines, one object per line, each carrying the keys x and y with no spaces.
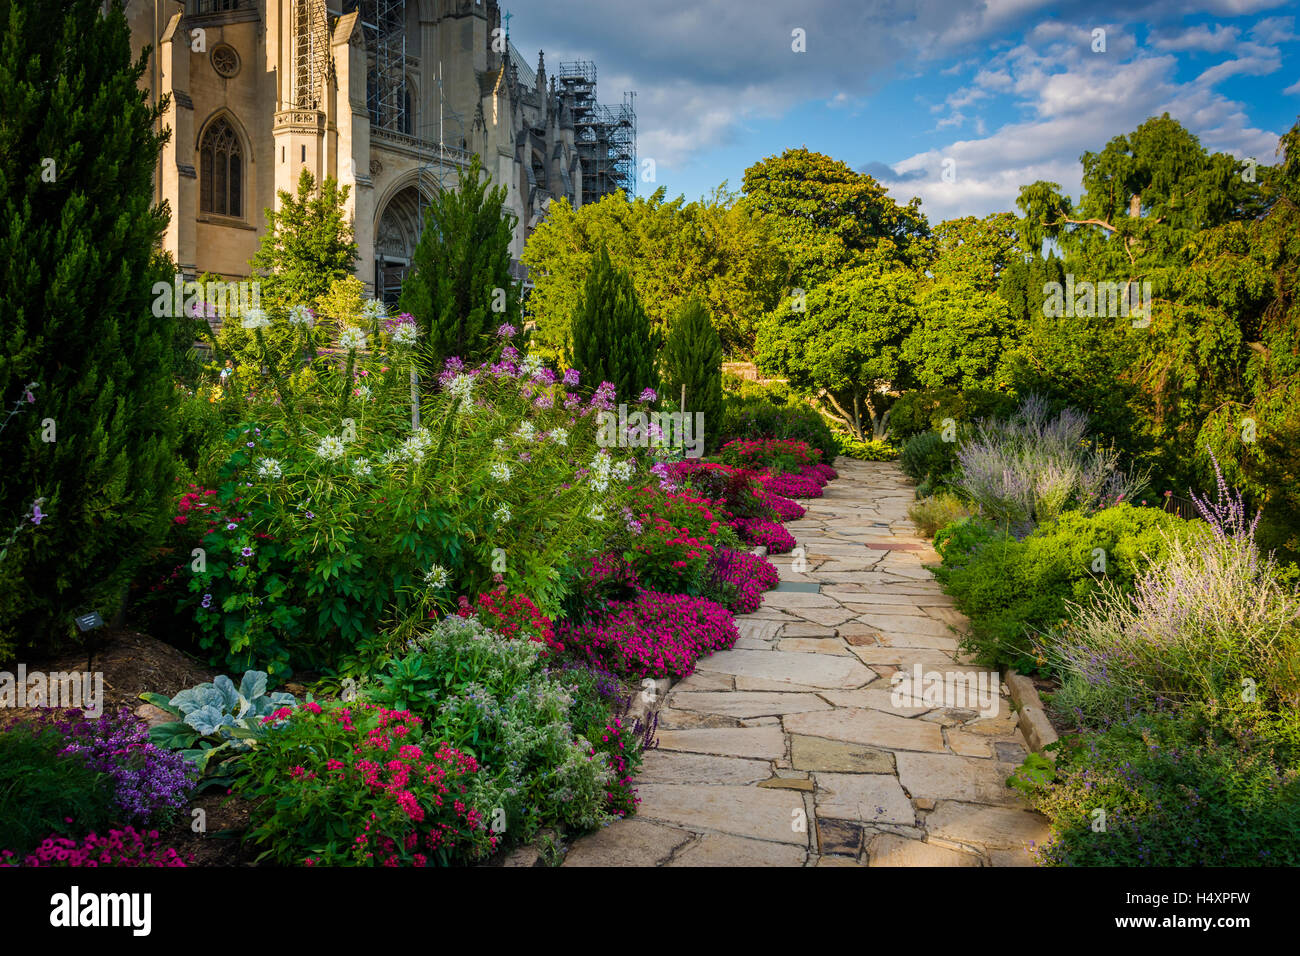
{"x":571,"y":376}
{"x":647,"y":395}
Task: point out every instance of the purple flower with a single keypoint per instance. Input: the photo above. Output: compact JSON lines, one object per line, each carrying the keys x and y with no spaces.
{"x":647,"y":395}
{"x":37,"y":517}
{"x":571,"y":376}
{"x":232,"y":526}
{"x":506,"y":330}
{"x":207,"y":601}
{"x":247,"y":552}
{"x":249,"y":444}
{"x":509,"y":353}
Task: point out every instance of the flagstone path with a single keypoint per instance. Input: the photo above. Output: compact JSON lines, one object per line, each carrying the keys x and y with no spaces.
{"x":788,"y":750}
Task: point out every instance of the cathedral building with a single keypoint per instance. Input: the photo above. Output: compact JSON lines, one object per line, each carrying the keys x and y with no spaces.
{"x":392,"y":98}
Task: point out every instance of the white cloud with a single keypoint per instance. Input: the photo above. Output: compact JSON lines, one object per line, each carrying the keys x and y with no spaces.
{"x":1214,"y":38}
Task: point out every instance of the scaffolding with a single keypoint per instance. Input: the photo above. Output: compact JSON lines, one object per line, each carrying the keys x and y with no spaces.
{"x":605,"y":136}
{"x":311,"y":53}
{"x":383,"y":23}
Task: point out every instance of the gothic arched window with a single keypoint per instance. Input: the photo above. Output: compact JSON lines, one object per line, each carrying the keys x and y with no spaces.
{"x":221,"y":171}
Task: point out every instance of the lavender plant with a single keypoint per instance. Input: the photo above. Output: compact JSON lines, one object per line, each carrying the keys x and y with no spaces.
{"x":1212,"y":621}
{"x":1033,"y":466}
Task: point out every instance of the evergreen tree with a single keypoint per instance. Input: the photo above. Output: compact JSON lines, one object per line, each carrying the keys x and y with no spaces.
{"x":460,"y":289}
{"x":78,"y":263}
{"x":612,"y":338}
{"x":693,"y":358}
{"x":308,"y":244}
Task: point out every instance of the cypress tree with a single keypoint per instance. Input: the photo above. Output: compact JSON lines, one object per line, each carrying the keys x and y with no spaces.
{"x":308,"y":244}
{"x":460,"y":290}
{"x":78,"y":264}
{"x":612,"y":337}
{"x":693,"y":358}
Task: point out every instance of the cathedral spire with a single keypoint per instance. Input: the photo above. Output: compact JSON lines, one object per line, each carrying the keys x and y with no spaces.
{"x":541,"y":71}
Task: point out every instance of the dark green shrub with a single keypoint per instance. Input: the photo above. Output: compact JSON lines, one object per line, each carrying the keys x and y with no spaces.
{"x":693,"y":361}
{"x":40,"y":789}
{"x":1214,"y":785}
{"x":1010,"y":588}
{"x":612,"y":338}
{"x":460,"y":289}
{"x":77,"y":273}
{"x":925,"y":409}
{"x":752,"y":416}
{"x":928,"y":460}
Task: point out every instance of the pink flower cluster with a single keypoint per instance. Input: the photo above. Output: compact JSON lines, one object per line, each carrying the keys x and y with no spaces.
{"x":120,"y":848}
{"x":749,"y":574}
{"x":767,"y":533}
{"x":826,"y":471}
{"x":787,"y":509}
{"x":653,"y":635}
{"x":792,"y":486}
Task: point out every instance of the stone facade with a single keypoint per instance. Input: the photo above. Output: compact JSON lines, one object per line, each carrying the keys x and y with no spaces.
{"x":260,"y":89}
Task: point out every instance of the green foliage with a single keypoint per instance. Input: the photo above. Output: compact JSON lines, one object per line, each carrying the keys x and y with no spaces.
{"x":307,"y":245}
{"x":753,"y":411}
{"x":715,"y":249}
{"x":929,"y":460}
{"x":827,"y":218}
{"x":923,"y":410}
{"x":961,"y":336}
{"x":938,"y":511}
{"x":693,"y":360}
{"x":41,"y":789}
{"x":460,"y":289}
{"x":1010,"y":589}
{"x":612,"y":337}
{"x":847,"y":345}
{"x":336,"y":525}
{"x":216,"y":722}
{"x":864,"y":450}
{"x":1213,"y":785}
{"x":77,"y":270}
{"x":490,"y":697}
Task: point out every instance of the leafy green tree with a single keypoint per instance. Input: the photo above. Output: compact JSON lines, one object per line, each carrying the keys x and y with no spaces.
{"x":847,"y":346}
{"x":716,"y":249}
{"x":960,"y":339}
{"x":77,"y":270}
{"x":1145,"y":195}
{"x":693,"y":360}
{"x":612,"y":337}
{"x":460,"y":289}
{"x":828,"y":217}
{"x":307,"y":245}
{"x":975,"y":252}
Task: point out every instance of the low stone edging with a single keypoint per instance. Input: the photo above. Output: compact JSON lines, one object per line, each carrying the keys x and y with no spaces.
{"x":1035,"y":726}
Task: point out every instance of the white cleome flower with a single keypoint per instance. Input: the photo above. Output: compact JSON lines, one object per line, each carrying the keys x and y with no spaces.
{"x":405,"y":335}
{"x":462,"y":391}
{"x":352,"y":340}
{"x":502,"y":514}
{"x":559,"y":436}
{"x":330,"y":448}
{"x":499,"y":444}
{"x":361,"y":468}
{"x":301,"y":315}
{"x":374,"y":310}
{"x":437,"y":577}
{"x":622,"y":470}
{"x":500,"y":471}
{"x":526,"y":431}
{"x":268,"y":468}
{"x":256,"y":319}
{"x":596,"y":513}
{"x":413,"y":448}
{"x":532,"y":364}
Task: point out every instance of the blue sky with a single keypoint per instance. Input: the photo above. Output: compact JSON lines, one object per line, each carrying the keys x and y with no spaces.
{"x":1009,"y":90}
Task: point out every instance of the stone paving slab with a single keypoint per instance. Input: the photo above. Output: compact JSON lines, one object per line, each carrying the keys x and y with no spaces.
{"x":793,"y":749}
